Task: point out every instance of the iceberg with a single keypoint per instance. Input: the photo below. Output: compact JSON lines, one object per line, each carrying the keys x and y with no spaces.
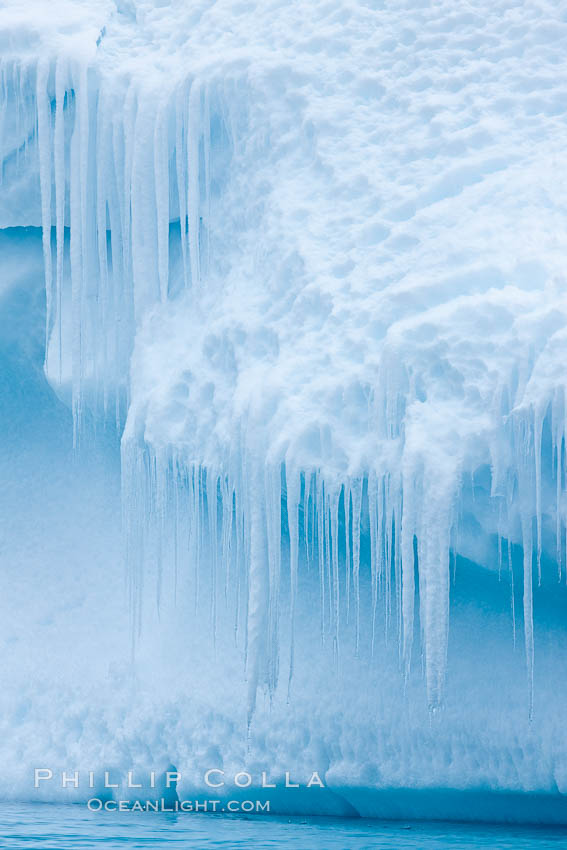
{"x":305,"y":306}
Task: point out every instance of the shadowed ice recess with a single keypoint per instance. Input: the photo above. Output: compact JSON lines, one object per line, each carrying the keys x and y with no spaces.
{"x":283,"y":322}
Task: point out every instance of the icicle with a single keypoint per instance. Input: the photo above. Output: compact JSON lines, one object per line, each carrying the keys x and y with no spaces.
{"x":499,"y":541}
{"x":395,"y":496}
{"x":125,"y":134}
{"x":44,"y":148}
{"x":346,"y":507}
{"x":195,"y":503}
{"x":386,"y":534}
{"x":193,"y":190}
{"x":320,"y":513}
{"x":143,"y":210}
{"x":313,"y":509}
{"x":59,"y":163}
{"x":356,"y":493}
{"x":3,"y":111}
{"x":161,"y":171}
{"x":527,"y":544}
{"x":258,"y":588}
{"x":117,"y":208}
{"x":160,"y":470}
{"x":327,"y":550}
{"x":212,"y":529}
{"x":239,"y":559}
{"x":273,"y":498}
{"x":101,"y":163}
{"x":207,"y":157}
{"x":84,"y":193}
{"x":76,"y":257}
{"x":374,"y":557}
{"x":557,"y":415}
{"x":563,"y":454}
{"x":334,"y":540}
{"x":178,"y":523}
{"x":227,"y":527}
{"x":293,"y":487}
{"x":245,"y":564}
{"x":308,"y":523}
{"x":538,"y":428}
{"x":512,"y":591}
{"x":180,"y":164}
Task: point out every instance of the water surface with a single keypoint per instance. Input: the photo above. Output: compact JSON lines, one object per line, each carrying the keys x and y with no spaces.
{"x":73,"y":827}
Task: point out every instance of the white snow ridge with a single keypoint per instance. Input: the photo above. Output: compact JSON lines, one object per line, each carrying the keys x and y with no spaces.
{"x":308,"y":261}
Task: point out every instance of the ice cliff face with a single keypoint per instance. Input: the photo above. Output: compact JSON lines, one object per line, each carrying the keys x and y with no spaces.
{"x":310,"y":260}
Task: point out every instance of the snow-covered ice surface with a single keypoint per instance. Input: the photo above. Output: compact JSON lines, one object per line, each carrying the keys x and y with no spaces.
{"x":308,"y":259}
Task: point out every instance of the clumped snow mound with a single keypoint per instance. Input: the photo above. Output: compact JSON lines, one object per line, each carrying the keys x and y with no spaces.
{"x":312,"y":255}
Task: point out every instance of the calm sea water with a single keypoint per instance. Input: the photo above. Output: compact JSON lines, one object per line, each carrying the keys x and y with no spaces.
{"x":72,"y":827}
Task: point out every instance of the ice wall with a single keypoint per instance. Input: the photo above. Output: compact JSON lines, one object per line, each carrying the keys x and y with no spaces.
{"x":315,"y":268}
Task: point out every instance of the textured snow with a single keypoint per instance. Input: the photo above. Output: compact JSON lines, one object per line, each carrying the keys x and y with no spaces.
{"x":311,"y":258}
